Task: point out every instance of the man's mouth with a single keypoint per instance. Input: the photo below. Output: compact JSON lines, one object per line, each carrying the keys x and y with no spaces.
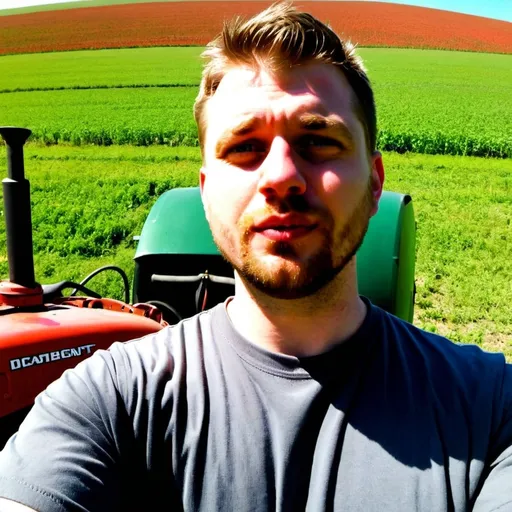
{"x":286,"y":228}
{"x":283,"y":230}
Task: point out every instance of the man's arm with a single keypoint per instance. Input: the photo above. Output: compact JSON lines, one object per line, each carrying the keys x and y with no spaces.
{"x":13,"y":506}
{"x":67,"y":452}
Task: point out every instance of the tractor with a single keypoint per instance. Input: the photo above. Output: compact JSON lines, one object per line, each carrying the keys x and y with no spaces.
{"x":178,"y":273}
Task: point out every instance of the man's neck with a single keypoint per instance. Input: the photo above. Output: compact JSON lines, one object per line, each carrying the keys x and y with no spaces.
{"x":302,"y":327}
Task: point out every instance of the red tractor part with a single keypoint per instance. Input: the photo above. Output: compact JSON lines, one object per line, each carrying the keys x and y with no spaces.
{"x":41,"y":333}
{"x":37,"y":346}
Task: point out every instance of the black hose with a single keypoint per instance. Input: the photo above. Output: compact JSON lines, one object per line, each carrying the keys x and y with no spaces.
{"x":103,"y":269}
{"x":50,"y":291}
{"x":163,"y":305}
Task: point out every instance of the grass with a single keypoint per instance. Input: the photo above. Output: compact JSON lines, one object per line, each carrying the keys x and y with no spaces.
{"x":463,"y":210}
{"x":101,"y":68}
{"x":89,"y":202}
{"x":428,"y":101}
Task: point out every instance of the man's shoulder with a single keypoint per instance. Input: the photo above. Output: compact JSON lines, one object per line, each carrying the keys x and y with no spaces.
{"x":441,"y":357}
{"x":165,"y":351}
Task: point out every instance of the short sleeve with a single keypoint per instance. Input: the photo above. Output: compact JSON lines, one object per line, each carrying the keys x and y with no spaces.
{"x":66,"y":455}
{"x":496,"y":490}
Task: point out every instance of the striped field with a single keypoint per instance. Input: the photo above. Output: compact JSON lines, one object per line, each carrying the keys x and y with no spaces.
{"x":428,"y":101}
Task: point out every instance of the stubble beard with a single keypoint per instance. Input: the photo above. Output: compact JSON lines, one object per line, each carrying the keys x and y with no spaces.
{"x":291,"y":278}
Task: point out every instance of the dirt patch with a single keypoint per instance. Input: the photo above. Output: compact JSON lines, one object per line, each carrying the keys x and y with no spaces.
{"x":196,"y":23}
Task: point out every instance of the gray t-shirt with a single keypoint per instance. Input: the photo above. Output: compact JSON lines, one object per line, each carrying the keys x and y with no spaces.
{"x":197,"y":418}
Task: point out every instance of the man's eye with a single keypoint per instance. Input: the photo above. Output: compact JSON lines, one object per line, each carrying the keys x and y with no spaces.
{"x":316,"y":148}
{"x":245,"y":154}
{"x":246,"y":147}
{"x":315,"y":141}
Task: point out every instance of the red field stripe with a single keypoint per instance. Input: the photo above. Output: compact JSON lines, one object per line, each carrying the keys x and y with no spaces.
{"x":196,"y":23}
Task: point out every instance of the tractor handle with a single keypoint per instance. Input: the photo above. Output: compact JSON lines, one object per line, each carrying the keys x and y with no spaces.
{"x":21,"y":290}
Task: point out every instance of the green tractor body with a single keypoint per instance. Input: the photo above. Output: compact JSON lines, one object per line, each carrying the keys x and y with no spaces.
{"x":176,"y":254}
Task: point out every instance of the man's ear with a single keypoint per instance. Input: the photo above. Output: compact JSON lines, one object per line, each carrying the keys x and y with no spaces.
{"x":202,"y":179}
{"x":377,"y":178}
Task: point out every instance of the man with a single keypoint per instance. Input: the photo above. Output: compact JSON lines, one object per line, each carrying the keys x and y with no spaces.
{"x":296,"y":394}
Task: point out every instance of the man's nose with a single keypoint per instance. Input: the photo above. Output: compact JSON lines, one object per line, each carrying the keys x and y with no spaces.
{"x":280,"y":172}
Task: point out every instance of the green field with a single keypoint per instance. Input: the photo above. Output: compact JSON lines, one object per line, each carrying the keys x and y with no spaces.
{"x":428,"y":101}
{"x":89,"y":202}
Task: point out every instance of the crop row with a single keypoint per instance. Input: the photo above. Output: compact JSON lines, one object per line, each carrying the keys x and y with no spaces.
{"x":428,"y":143}
{"x":196,"y":23}
{"x":416,"y":142}
{"x":427,"y":101}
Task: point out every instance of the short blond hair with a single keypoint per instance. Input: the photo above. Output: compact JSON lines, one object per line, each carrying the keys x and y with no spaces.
{"x":277,"y":38}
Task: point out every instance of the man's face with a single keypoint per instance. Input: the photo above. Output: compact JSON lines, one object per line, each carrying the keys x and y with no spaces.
{"x":287,"y":182}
